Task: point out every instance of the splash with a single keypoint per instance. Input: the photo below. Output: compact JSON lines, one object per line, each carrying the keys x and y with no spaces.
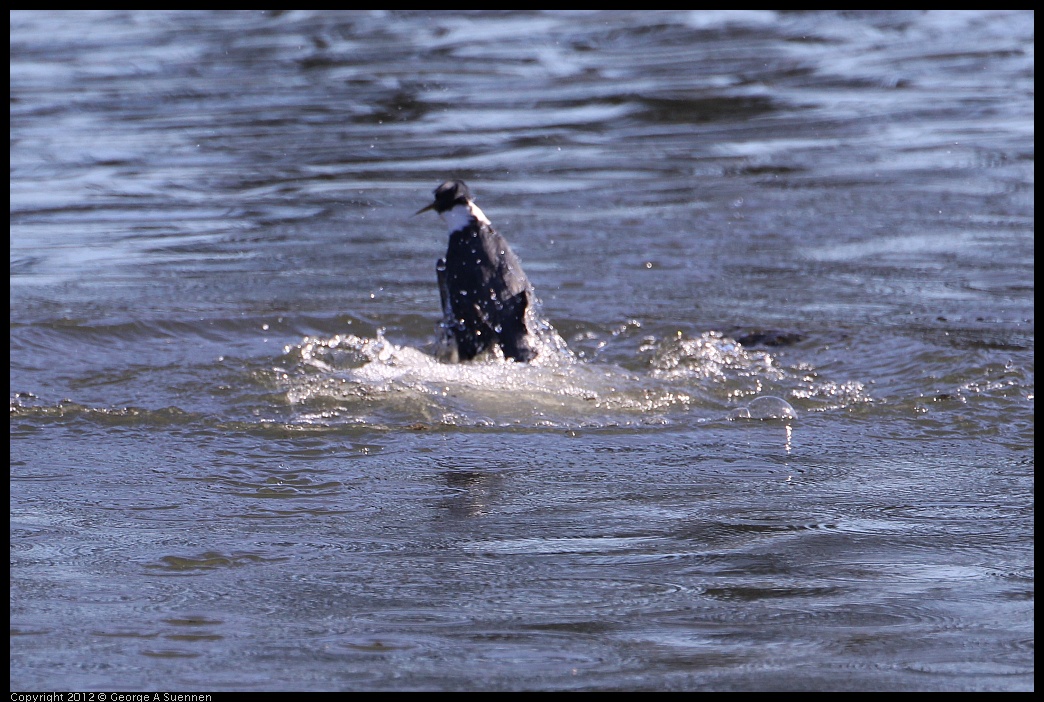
{"x":349,"y":378}
{"x":372,"y":380}
{"x":711,"y":356}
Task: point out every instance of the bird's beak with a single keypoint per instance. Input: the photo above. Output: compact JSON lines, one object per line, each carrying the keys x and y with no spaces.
{"x":424,"y":209}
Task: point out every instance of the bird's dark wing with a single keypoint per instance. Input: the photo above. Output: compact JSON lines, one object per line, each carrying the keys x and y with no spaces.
{"x":488,"y":293}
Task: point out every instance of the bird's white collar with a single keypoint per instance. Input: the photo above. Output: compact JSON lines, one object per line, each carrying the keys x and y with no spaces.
{"x":462,"y":215}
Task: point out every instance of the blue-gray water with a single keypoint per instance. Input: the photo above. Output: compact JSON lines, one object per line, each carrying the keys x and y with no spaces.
{"x":235,"y":465}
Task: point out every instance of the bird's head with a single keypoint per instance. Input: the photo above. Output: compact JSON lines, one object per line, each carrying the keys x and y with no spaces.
{"x":447,"y":196}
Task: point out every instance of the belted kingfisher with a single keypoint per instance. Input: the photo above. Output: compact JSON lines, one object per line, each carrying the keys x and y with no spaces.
{"x":485,"y":293}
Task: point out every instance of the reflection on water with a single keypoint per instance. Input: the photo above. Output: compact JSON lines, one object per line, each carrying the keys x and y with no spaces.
{"x":228,"y":424}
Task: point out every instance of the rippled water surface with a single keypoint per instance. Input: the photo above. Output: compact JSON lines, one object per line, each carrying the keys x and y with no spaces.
{"x":787,"y":442}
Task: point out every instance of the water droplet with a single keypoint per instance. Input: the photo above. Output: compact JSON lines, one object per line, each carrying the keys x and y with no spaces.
{"x":765,"y":407}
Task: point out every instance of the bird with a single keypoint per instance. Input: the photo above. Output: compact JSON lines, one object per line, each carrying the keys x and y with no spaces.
{"x":484,"y":291}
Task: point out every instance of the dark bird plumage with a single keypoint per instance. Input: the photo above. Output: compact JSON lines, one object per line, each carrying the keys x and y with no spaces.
{"x":485,"y":293}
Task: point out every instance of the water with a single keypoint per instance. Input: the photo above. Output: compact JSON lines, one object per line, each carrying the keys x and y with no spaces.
{"x":235,"y":464}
